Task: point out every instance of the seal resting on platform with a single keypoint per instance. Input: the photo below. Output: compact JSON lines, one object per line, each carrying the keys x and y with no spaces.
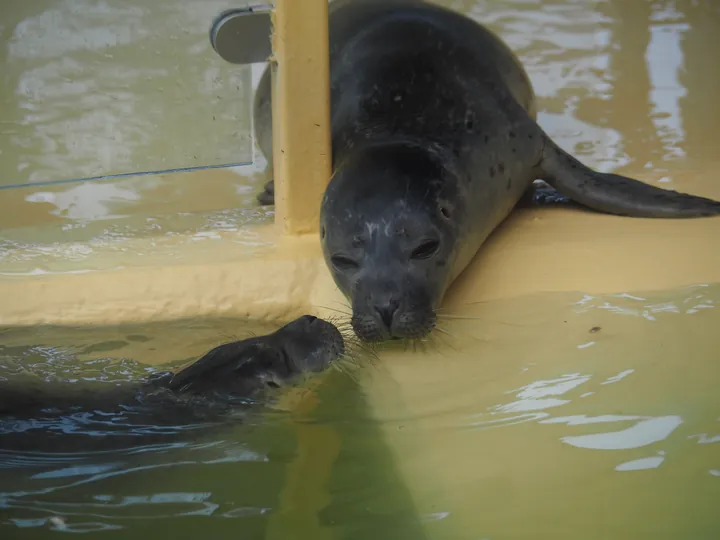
{"x":434,"y":141}
{"x":227,"y":377}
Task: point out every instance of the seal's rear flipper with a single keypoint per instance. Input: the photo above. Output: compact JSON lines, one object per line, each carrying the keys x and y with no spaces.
{"x":615,"y":194}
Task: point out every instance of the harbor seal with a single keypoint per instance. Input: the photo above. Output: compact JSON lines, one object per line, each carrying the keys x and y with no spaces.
{"x":434,"y":142}
{"x":230,"y":377}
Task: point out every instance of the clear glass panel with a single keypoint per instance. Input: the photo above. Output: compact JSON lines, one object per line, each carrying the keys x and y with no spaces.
{"x":106,"y":87}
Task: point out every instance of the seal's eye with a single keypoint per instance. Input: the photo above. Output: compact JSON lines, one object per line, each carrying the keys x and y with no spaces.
{"x":341,"y":263}
{"x":425,"y":250}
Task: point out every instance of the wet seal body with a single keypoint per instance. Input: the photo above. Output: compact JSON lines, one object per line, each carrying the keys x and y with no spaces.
{"x":230,"y":376}
{"x":434,"y":142}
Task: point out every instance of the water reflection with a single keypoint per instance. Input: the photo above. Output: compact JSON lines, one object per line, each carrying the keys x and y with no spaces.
{"x":697,"y":300}
{"x":645,"y":432}
{"x":60,"y":483}
{"x":110,"y":468}
{"x":615,"y":409}
{"x":545,"y":401}
{"x":704,"y":438}
{"x":701,"y":80}
{"x":519,"y":433}
{"x":642,"y":464}
{"x":632,"y":56}
{"x":83,"y":471}
{"x":618,"y":377}
{"x":117,"y":244}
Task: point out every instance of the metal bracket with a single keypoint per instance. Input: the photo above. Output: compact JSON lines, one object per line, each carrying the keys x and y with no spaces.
{"x":243,"y":35}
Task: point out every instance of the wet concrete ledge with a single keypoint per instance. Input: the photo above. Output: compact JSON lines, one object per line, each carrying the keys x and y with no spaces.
{"x":536,"y":250}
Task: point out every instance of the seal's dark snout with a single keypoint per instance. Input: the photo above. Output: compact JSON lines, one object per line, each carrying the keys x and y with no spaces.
{"x":387,"y":311}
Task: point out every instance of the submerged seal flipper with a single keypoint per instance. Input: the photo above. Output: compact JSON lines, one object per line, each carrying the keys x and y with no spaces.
{"x":615,"y":194}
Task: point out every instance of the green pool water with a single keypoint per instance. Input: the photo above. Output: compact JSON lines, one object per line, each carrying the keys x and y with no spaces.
{"x":223,"y":482}
{"x":549,"y":416}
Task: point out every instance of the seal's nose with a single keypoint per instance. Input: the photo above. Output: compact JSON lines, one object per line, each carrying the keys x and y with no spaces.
{"x":387,"y":312}
{"x":310,"y":318}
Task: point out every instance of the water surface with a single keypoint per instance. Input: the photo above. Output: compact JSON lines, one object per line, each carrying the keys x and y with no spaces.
{"x":544,"y":416}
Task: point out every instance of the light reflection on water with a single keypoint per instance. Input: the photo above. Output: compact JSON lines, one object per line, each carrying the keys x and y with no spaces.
{"x":537,"y":401}
{"x":605,"y":404}
{"x":108,"y":489}
{"x":517,"y":430}
{"x":85,"y":471}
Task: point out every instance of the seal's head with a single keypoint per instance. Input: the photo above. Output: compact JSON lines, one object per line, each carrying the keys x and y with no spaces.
{"x":389,"y":237}
{"x":306,"y":345}
{"x":242,"y":368}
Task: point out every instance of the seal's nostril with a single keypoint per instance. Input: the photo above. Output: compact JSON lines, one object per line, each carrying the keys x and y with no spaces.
{"x":311,"y":318}
{"x":387,"y":312}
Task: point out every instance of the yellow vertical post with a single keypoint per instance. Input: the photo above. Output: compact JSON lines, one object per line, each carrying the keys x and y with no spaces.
{"x":301,"y":112}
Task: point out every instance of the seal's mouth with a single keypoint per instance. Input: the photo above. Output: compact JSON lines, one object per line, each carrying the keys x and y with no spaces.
{"x":412,"y":325}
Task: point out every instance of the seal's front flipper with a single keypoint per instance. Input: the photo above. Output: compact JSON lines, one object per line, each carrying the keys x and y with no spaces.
{"x":267,"y":196}
{"x":542,"y":195}
{"x":615,"y":194}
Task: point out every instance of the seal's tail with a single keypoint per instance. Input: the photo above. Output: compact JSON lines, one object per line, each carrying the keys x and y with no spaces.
{"x":615,"y":194}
